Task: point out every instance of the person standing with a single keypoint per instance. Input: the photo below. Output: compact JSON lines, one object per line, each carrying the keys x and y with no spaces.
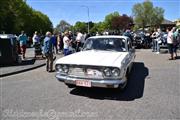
{"x":36,"y":39}
{"x":158,"y":40}
{"x":54,"y":41}
{"x":66,"y":42}
{"x":176,"y":41}
{"x":170,"y":42}
{"x":153,"y":36}
{"x":23,"y":42}
{"x":156,"y":36}
{"x":79,"y":41}
{"x":48,"y":52}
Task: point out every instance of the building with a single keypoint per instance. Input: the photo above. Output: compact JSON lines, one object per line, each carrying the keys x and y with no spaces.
{"x":167,"y":24}
{"x":177,"y":22}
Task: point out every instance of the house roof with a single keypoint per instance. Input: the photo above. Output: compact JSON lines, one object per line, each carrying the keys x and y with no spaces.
{"x":167,"y":22}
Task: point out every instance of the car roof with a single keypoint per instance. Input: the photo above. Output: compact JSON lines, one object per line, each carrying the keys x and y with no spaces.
{"x":109,"y":36}
{"x":7,"y":36}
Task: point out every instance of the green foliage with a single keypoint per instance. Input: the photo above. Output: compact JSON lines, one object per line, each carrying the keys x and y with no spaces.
{"x":98,"y":27}
{"x":80,"y":26}
{"x":16,"y":15}
{"x":63,"y":26}
{"x":147,"y":15}
{"x":108,"y":19}
{"x":121,"y":22}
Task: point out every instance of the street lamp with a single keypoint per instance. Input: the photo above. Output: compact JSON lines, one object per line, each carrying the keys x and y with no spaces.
{"x":88,"y":15}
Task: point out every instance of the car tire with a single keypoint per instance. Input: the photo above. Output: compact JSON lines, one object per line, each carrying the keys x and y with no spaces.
{"x":70,"y":86}
{"x":124,"y":85}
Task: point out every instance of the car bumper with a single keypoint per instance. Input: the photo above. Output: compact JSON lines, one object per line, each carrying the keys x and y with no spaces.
{"x":107,"y":83}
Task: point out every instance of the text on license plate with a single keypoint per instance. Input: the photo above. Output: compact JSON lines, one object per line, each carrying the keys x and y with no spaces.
{"x":85,"y":83}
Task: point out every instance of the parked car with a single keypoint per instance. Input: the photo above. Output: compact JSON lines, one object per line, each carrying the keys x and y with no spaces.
{"x":163,"y":39}
{"x":105,"y":61}
{"x":9,"y":49}
{"x":142,"y":39}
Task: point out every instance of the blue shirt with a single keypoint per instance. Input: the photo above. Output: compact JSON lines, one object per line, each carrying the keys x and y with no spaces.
{"x":48,"y":45}
{"x":23,"y":39}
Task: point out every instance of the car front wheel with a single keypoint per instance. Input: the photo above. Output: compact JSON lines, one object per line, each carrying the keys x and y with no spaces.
{"x":70,"y":86}
{"x":123,"y":86}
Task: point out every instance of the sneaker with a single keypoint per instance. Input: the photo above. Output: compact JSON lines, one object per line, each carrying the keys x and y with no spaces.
{"x":157,"y":52}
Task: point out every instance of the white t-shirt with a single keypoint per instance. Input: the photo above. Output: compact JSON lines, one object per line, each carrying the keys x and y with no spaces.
{"x":170,"y":38}
{"x":35,"y":38}
{"x":66,"y":42}
{"x":79,"y":37}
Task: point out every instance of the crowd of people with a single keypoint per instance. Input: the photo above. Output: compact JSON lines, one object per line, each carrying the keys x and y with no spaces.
{"x":172,"y":41}
{"x":52,"y":44}
{"x":67,"y":43}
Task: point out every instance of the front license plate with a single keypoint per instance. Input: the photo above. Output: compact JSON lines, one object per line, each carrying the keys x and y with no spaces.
{"x":84,"y":83}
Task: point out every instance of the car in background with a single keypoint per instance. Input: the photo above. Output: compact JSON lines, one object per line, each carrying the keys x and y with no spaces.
{"x":105,"y":61}
{"x":163,"y":39}
{"x":9,"y":49}
{"x":141,"y":39}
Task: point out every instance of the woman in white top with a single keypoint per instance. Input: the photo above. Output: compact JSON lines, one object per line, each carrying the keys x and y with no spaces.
{"x":170,"y":42}
{"x":66,"y":42}
{"x":35,"y":38}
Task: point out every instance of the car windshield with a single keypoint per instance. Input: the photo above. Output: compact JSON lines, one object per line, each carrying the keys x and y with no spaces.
{"x":108,"y":44}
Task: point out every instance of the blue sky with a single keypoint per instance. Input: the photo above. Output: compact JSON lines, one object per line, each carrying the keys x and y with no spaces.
{"x":73,"y":10}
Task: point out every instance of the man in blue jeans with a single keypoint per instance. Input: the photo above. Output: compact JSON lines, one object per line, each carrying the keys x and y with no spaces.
{"x":156,"y":36}
{"x":48,"y":51}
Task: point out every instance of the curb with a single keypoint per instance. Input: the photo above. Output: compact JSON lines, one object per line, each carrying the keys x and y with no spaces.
{"x":24,"y":70}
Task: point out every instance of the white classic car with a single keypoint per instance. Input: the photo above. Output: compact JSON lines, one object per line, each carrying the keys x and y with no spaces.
{"x":105,"y":61}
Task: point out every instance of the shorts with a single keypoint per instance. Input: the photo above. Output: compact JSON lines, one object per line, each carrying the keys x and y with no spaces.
{"x":175,"y":48}
{"x":23,"y":49}
{"x":170,"y":47}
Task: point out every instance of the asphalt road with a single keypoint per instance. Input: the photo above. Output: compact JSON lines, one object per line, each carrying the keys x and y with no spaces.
{"x":153,"y":92}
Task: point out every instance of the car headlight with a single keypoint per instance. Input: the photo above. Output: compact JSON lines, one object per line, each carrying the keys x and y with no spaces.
{"x":65,"y":69}
{"x":107,"y":72}
{"x":62,"y":68}
{"x":115,"y":72}
{"x":59,"y":68}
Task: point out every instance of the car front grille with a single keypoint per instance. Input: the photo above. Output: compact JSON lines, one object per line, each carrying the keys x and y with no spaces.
{"x":85,"y":72}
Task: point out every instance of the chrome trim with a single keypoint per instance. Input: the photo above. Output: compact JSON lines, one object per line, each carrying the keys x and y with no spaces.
{"x":109,"y":83}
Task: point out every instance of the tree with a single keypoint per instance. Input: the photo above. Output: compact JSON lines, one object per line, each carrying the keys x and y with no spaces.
{"x":98,"y":27}
{"x":80,"y":26}
{"x":108,"y":19}
{"x":63,"y":26}
{"x":16,"y":15}
{"x":146,"y":15}
{"x":121,"y":22}
{"x":158,"y":15}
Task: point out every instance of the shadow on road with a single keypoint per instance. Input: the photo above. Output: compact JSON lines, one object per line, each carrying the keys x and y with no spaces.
{"x":134,"y":89}
{"x":29,"y":61}
{"x":178,"y":58}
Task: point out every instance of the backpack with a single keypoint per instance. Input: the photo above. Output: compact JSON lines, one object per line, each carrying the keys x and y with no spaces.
{"x":176,"y":39}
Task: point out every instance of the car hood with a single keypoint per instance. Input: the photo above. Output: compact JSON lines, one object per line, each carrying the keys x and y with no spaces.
{"x":94,"y":58}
